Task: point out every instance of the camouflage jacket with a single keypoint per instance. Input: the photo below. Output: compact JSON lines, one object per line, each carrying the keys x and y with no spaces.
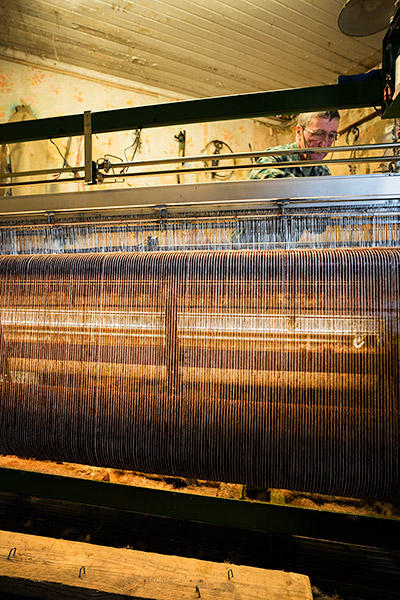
{"x":306,"y":171}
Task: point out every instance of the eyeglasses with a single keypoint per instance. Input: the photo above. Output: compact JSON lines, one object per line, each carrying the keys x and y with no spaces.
{"x":320,"y":134}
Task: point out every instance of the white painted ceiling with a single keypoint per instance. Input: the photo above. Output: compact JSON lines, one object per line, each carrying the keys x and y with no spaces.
{"x":188,"y":47}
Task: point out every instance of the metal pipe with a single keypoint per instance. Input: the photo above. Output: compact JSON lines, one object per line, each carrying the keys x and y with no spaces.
{"x":40,"y":182}
{"x":207,"y":157}
{"x":41,"y":172}
{"x":257,"y":166}
{"x":372,"y":159}
{"x":231,"y":155}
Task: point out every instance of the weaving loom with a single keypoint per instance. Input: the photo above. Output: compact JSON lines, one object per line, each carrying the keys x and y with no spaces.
{"x":243,"y":332}
{"x":271,"y":363}
{"x":248,"y":341}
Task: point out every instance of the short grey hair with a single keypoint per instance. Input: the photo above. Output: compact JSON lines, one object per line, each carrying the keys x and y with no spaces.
{"x":303,"y":119}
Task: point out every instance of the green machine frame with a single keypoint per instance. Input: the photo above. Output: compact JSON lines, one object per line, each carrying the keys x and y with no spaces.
{"x":250,"y":515}
{"x":346,"y":95}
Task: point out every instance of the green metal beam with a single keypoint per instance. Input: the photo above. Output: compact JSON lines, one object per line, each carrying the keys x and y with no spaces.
{"x":243,"y":514}
{"x":258,"y":104}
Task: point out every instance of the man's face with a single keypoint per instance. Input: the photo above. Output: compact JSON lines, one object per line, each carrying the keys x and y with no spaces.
{"x":324,"y":135}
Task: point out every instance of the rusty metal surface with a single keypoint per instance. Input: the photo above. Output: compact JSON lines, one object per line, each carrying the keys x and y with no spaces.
{"x":272,"y":368}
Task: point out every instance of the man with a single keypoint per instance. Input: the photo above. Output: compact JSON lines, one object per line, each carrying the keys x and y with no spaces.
{"x":313,"y":130}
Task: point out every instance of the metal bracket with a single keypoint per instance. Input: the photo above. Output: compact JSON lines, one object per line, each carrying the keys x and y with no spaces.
{"x":87,"y":132}
{"x":162,"y":211}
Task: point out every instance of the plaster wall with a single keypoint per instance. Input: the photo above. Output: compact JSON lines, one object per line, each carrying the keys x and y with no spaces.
{"x":48,"y":93}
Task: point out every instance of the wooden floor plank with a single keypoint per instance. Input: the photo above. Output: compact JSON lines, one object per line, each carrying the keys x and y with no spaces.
{"x":53,"y":564}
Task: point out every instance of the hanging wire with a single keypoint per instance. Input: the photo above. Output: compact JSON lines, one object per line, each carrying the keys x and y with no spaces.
{"x":218,"y":145}
{"x":104,"y":164}
{"x":64,"y":157}
{"x":136,"y":145}
{"x":355,"y":132}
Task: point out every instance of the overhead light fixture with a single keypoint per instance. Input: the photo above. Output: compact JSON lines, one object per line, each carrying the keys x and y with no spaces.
{"x":365,"y":17}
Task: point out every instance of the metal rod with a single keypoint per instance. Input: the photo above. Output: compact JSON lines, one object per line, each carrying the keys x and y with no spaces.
{"x":245,"y":167}
{"x":40,"y":182}
{"x":41,"y":172}
{"x":209,"y":157}
{"x":231,"y":155}
{"x":372,"y":159}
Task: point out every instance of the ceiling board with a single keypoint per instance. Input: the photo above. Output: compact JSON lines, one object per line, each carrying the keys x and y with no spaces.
{"x":207,"y":48}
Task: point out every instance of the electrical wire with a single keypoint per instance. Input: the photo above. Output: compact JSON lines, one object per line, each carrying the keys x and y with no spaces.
{"x":116,"y":180}
{"x":64,"y":157}
{"x":218,"y":144}
{"x":136,"y":144}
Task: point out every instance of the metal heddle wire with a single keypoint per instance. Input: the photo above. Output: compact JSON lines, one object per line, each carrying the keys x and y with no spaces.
{"x":275,"y":368}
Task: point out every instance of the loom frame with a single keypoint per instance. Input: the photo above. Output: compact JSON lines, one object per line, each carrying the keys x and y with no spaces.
{"x":275,"y":520}
{"x":247,"y":515}
{"x":162,"y":201}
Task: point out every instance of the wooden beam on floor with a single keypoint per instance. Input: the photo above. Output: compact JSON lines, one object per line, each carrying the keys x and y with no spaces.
{"x":32,"y":565}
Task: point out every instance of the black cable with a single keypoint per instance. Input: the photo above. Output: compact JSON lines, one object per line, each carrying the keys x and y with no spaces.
{"x":218,"y":144}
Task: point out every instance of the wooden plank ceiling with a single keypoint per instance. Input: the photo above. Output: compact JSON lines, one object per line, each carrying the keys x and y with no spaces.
{"x":194,"y":48}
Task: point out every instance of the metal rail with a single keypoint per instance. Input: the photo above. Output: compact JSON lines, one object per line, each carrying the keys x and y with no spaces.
{"x":106,"y":166}
{"x":204,"y":197}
